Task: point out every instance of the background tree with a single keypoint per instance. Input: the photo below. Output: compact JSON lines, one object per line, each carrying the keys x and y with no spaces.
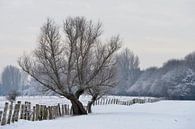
{"x":1,"y":89}
{"x":128,"y":70}
{"x":11,"y":79}
{"x":64,"y":66}
{"x":142,"y":86}
{"x":190,"y":60}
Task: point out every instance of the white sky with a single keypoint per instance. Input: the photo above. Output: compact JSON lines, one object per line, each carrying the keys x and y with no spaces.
{"x":155,"y":30}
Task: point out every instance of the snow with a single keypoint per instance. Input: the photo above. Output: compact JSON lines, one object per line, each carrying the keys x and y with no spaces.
{"x":159,"y":115}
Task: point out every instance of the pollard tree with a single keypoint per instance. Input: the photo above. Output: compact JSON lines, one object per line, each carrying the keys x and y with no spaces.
{"x":62,"y":64}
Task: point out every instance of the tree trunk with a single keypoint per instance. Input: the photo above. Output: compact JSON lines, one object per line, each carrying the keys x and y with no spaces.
{"x":77,"y":107}
{"x":79,"y":93}
{"x":90,"y":103}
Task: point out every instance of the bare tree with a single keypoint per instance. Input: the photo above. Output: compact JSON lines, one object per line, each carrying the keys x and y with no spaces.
{"x":64,"y":65}
{"x":102,"y":85}
{"x":106,"y":78}
{"x":128,"y":70}
{"x":11,"y":79}
{"x":128,"y":62}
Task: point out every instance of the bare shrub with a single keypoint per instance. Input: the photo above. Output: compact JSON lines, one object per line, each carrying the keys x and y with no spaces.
{"x":12,"y":95}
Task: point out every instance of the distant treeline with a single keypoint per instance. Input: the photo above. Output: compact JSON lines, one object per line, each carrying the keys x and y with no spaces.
{"x":174,"y":80}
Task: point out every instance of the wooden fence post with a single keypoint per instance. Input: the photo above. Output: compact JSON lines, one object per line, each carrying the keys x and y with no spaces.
{"x":22,"y":111}
{"x":37,"y":112}
{"x":10,"y":113}
{"x":53,"y":112}
{"x":47,"y":107}
{"x":59,"y":110}
{"x":3,"y":122}
{"x":100,"y":101}
{"x":45,"y":116}
{"x":106,"y":101}
{"x":66,"y":109}
{"x":41,"y":113}
{"x":29,"y":111}
{"x":17,"y":110}
{"x":1,"y":113}
{"x":33,"y":113}
{"x":71,"y":111}
{"x":14,"y":113}
{"x":25,"y":110}
{"x":56,"y":111}
{"x":63,"y":111}
{"x":50,"y":113}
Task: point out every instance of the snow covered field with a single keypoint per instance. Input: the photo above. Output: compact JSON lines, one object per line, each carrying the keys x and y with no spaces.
{"x":159,"y":115}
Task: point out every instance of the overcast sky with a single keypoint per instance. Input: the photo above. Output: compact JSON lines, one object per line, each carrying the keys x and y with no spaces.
{"x":155,"y":30}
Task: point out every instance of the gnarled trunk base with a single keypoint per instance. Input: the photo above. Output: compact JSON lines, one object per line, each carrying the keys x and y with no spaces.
{"x":77,"y":107}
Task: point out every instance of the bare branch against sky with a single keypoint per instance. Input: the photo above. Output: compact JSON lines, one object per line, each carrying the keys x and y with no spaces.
{"x":155,"y":30}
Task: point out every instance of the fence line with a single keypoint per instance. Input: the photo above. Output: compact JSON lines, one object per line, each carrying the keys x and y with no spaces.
{"x":13,"y":112}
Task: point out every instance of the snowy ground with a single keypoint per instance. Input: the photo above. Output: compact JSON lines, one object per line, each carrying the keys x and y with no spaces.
{"x":159,"y":115}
